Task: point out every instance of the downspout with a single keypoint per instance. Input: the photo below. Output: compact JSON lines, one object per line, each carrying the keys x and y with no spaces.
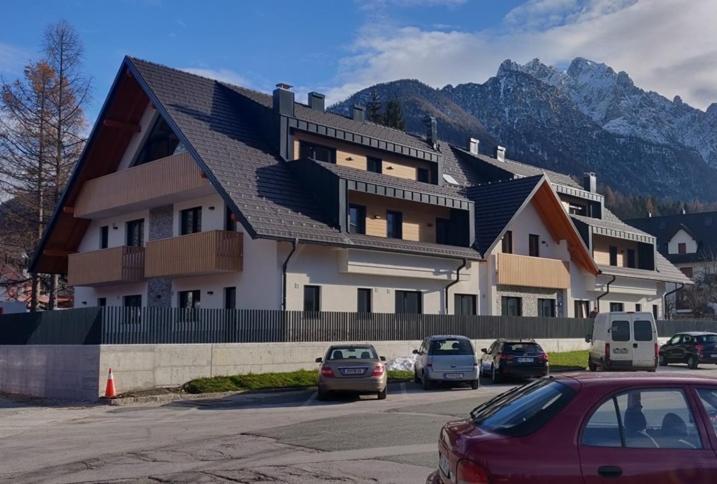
{"x":597,"y":299}
{"x":294,"y":245}
{"x":669,"y":293}
{"x":452,"y":283}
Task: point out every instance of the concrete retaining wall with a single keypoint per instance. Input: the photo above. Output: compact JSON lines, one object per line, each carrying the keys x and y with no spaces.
{"x":80,"y":372}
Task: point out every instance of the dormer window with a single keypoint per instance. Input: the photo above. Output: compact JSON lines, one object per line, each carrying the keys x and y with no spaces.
{"x":160,"y":143}
{"x":317,"y":152}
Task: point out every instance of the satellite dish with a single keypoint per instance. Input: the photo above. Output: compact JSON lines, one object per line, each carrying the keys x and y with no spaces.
{"x":450,"y":179}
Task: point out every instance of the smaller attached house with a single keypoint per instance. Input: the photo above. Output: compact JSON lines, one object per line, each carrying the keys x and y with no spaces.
{"x":688,"y":241}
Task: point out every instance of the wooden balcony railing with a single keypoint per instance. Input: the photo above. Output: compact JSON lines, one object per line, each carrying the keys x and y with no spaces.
{"x":143,"y":186}
{"x":521,"y":270}
{"x":106,"y":266}
{"x":200,"y":253}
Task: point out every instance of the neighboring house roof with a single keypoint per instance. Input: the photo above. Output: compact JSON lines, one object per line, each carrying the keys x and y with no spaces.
{"x":701,"y":226}
{"x":612,"y":226}
{"x":664,"y":271}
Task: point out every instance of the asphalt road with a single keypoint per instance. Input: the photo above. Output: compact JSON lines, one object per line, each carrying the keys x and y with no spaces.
{"x":271,"y":437}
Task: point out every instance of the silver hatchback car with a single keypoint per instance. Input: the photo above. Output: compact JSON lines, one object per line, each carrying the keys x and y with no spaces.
{"x":446,"y":358}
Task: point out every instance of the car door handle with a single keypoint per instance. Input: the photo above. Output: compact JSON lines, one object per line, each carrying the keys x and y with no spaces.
{"x":634,"y":345}
{"x":610,"y":471}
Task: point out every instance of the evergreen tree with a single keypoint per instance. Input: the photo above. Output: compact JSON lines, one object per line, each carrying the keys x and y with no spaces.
{"x":373,"y":108}
{"x":394,"y":117}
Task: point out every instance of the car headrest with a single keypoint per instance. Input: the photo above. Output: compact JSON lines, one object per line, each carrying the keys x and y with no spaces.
{"x":673,"y":425}
{"x":635,"y":420}
{"x":365,"y":355}
{"x":338,"y":355}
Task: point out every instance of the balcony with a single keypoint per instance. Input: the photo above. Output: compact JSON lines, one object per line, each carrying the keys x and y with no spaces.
{"x":106,"y":266}
{"x":521,"y":270}
{"x":194,"y":254}
{"x":159,"y":182}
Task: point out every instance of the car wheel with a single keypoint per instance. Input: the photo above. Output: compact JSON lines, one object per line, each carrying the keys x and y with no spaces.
{"x":494,"y":375}
{"x":693,"y":362}
{"x":382,"y":394}
{"x":426,"y":382}
{"x":322,"y":394}
{"x":475,"y":384}
{"x":592,"y":366}
{"x":662,"y":361}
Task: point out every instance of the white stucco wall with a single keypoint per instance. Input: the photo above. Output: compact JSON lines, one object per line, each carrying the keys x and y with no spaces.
{"x":681,"y":237}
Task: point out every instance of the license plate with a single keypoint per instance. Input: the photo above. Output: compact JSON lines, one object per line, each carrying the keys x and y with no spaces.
{"x":352,"y":371}
{"x":454,"y":376}
{"x":444,"y":466}
{"x":525,"y":360}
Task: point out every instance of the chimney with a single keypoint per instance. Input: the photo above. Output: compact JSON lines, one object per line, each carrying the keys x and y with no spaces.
{"x":473,"y":145}
{"x":590,"y":182}
{"x":283,"y":100}
{"x":500,"y":153}
{"x":431,"y":131}
{"x":359,"y":113}
{"x":317,"y":101}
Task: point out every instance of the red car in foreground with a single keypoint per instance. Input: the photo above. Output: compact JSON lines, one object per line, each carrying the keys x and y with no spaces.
{"x":587,"y":428}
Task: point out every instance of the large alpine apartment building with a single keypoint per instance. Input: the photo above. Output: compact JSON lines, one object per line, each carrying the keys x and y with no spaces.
{"x":194,"y":192}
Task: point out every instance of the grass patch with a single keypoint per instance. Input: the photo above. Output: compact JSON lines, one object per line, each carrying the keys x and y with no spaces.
{"x":265,"y":381}
{"x":569,"y":360}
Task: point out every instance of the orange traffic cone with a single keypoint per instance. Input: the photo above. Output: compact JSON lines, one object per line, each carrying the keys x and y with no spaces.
{"x":110,"y":391}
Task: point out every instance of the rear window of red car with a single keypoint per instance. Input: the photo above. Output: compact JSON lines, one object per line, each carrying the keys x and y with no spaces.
{"x":523,"y":410}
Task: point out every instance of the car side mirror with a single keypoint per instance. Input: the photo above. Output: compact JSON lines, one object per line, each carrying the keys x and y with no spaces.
{"x":483,"y":350}
{"x":588,"y":338}
{"x":382,"y":358}
{"x":415,"y":352}
{"x":319,"y":360}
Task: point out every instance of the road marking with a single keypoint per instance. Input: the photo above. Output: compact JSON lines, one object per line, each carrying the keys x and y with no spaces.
{"x":311,"y":399}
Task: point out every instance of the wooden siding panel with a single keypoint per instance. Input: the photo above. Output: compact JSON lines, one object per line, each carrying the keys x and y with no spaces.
{"x":193,"y":254}
{"x":526,"y":271}
{"x":154,"y":180}
{"x":106,"y":266}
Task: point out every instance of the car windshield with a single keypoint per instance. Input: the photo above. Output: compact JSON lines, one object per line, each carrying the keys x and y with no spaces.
{"x":352,"y":353}
{"x":707,"y":338}
{"x":522,"y":348}
{"x":451,"y":346}
{"x":523,"y":410}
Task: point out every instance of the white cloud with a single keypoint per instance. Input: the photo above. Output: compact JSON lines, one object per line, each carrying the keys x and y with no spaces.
{"x":669,"y":46}
{"x":224,"y":75}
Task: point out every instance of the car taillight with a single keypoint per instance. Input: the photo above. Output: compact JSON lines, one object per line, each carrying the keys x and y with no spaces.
{"x":543,"y":357}
{"x":607,"y":352}
{"x":470,"y":472}
{"x":377,"y":370}
{"x":699,"y":349}
{"x":505,"y":356}
{"x":328,"y":372}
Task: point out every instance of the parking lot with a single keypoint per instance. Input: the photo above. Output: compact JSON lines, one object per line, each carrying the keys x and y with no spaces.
{"x":262,"y":437}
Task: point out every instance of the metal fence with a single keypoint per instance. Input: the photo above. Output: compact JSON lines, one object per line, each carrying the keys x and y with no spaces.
{"x":120,"y":325}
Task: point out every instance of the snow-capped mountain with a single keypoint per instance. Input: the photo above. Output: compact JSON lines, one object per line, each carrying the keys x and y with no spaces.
{"x":585,"y":118}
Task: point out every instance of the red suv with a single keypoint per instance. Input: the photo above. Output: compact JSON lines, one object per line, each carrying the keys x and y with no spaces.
{"x":587,"y":428}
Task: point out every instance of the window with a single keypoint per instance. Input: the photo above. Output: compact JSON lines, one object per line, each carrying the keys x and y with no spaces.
{"x":101,"y":302}
{"x":523,"y":410}
{"x":135,"y":233}
{"x":352,"y":353}
{"x":631,"y":261}
{"x":682,"y":248}
{"x":613,"y":255}
{"x":364,"y":300}
{"x":620,"y":331}
{"x":616,"y":307}
{"x":133,"y":301}
{"x":190,"y":221}
{"x":373,"y":164}
{"x":511,"y":306}
{"x":582,"y":309}
{"x":534,"y":245}
{"x":394,"y":225}
{"x":464,"y":304}
{"x":160,"y":142}
{"x":687,"y":271}
{"x":317,"y":152}
{"x":638,"y":307}
{"x":230,"y":221}
{"x":442,"y":231}
{"x":709,"y":401}
{"x":423,"y":175}
{"x":643,"y":330}
{"x":450,"y":346}
{"x":643,"y":419}
{"x":676,"y":339}
{"x":546,"y":308}
{"x":230,"y":298}
{"x":409,"y":302}
{"x":507,"y":242}
{"x":312,"y":298}
{"x":190,"y":299}
{"x":104,"y":237}
{"x":357,"y":219}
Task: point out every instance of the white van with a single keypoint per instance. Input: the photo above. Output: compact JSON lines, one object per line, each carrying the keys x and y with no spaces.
{"x":623,"y":341}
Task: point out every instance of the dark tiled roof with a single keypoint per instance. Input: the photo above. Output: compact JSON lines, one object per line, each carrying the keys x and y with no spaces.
{"x":664,"y":271}
{"x":496,"y":204}
{"x":612,"y":223}
{"x":701,"y":226}
{"x":423,"y":248}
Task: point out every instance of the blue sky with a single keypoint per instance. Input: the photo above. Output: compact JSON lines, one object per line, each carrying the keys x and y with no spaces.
{"x":342,"y":45}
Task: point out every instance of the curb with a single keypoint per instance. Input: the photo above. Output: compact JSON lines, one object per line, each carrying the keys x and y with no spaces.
{"x":165,"y":398}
